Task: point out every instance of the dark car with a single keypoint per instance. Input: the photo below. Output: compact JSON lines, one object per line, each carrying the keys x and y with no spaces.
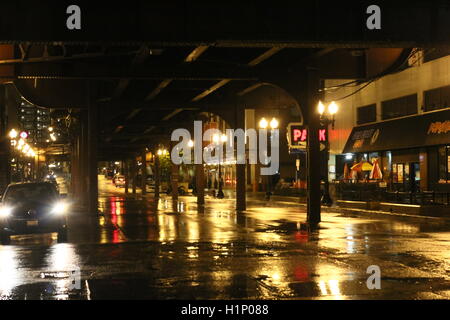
{"x":32,"y":207}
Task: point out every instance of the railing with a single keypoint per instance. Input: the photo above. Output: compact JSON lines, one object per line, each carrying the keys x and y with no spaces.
{"x":371,"y":192}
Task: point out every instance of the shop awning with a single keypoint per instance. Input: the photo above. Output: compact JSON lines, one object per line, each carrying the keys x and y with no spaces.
{"x":410,"y":132}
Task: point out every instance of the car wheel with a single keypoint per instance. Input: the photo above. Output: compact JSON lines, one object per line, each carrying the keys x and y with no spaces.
{"x":62,"y":235}
{"x":5,"y":239}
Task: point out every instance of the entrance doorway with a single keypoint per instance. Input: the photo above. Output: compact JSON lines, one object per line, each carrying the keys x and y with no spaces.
{"x":406,"y":176}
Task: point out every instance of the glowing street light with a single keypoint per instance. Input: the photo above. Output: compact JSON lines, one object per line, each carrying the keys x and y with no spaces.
{"x":333,"y":108}
{"x":263,"y":123}
{"x":13,"y":134}
{"x":274,"y":123}
{"x":190,"y":143}
{"x":161,"y":152}
{"x":327,"y":117}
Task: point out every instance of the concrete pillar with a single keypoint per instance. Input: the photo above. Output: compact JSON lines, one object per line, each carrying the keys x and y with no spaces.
{"x":92,"y":145}
{"x":5,"y":145}
{"x":144,"y":172}
{"x":313,"y":145}
{"x":157,"y":176}
{"x":133,"y":174}
{"x":174,"y":181}
{"x":73,"y":166}
{"x":126,"y":172}
{"x":240,"y":168}
{"x":257,"y":176}
{"x":83,"y":161}
{"x":250,"y":123}
{"x":76,"y":177}
{"x":200,"y":183}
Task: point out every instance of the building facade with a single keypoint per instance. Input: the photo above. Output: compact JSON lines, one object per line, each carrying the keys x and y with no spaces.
{"x":401,"y":121}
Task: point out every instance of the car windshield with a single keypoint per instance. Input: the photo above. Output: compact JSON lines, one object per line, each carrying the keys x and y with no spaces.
{"x":32,"y":192}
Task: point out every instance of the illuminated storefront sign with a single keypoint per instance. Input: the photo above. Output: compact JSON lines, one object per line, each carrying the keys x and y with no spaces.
{"x":298,"y":135}
{"x":428,"y":129}
{"x":439,"y":127}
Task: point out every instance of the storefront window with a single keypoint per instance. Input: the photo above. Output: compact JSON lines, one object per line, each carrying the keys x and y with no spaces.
{"x":394,"y":173}
{"x":400,"y":172}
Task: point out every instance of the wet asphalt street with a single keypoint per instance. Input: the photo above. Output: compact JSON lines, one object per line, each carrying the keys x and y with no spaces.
{"x":139,"y":248}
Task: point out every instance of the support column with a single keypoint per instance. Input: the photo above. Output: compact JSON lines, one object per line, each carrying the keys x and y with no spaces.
{"x":5,"y":145}
{"x":75,"y":174}
{"x":133,"y":174}
{"x":72,"y":167}
{"x":174,"y":181}
{"x":200,"y":183}
{"x":92,"y":158}
{"x":313,"y":145}
{"x":241,"y":204}
{"x":157,"y":176}
{"x":144,"y":173}
{"x":83,"y":161}
{"x":126,"y":167}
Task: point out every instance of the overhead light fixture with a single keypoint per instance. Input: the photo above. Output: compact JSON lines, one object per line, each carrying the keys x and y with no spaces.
{"x":321,"y":107}
{"x":274,"y":123}
{"x":333,"y":108}
{"x":263,"y":123}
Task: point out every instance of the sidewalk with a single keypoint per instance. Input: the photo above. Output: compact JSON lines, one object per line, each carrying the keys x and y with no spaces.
{"x":282,"y":201}
{"x":334,"y":208}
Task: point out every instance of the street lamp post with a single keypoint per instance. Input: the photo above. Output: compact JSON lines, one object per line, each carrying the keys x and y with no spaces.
{"x":264,"y":124}
{"x":12,"y":145}
{"x":327,"y":117}
{"x":190,"y":146}
{"x":223,"y":139}
{"x":158,"y":168}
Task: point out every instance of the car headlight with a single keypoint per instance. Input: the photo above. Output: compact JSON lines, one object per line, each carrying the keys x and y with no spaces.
{"x":60,"y":208}
{"x":5,"y":211}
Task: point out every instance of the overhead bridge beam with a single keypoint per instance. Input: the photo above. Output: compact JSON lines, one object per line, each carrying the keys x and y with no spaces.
{"x":96,"y":71}
{"x":174,"y":75}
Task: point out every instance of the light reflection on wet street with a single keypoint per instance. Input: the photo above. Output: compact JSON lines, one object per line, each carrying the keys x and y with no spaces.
{"x":140,"y":248}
